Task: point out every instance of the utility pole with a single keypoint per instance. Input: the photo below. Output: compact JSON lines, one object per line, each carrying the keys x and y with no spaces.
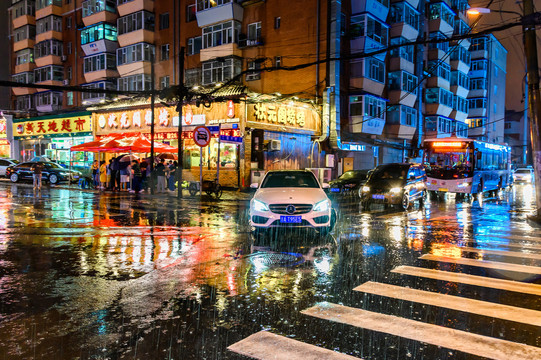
{"x":180,"y":142}
{"x":152,"y":101}
{"x":534,"y":100}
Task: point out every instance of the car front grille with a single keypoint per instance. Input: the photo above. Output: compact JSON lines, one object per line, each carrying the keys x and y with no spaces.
{"x":282,"y":209}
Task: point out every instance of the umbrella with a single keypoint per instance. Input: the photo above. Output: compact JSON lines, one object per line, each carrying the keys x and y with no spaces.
{"x":128,"y":158}
{"x":40,"y":159}
{"x":167,"y":156}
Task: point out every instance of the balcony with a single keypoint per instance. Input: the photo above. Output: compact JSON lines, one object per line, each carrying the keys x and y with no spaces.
{"x":220,"y":13}
{"x":398,"y":63}
{"x":30,"y":66}
{"x":401,"y":122}
{"x":438,"y":109}
{"x":49,"y":35}
{"x":99,"y":46}
{"x":48,"y":60}
{"x":220,"y":51}
{"x":458,"y":115}
{"x":378,"y":8}
{"x":401,"y":97}
{"x":399,"y":131}
{"x":460,"y":91}
{"x":49,"y":10}
{"x":22,"y":91}
{"x":404,"y":30}
{"x":134,"y":37}
{"x":477,"y":73}
{"x":244,"y":42}
{"x":102,"y":16}
{"x":23,"y":20}
{"x":477,"y":112}
{"x":361,"y":125}
{"x":135,"y":6}
{"x":460,"y":66}
{"x":441,"y":26}
{"x":139,"y":67}
{"x":366,"y":84}
{"x":440,"y":55}
{"x":100,"y":75}
{"x":438,"y":82}
{"x":477,"y":93}
{"x":364,"y":44}
{"x":413,"y":3}
{"x":24,"y":44}
{"x":49,"y":82}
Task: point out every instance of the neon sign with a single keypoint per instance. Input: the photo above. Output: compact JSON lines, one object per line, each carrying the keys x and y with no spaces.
{"x":448,"y":144}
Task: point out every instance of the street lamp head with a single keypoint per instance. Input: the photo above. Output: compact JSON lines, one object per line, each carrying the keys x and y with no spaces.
{"x":477,"y":11}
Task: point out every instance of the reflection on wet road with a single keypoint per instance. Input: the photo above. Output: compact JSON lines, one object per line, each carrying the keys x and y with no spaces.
{"x":117,"y":276}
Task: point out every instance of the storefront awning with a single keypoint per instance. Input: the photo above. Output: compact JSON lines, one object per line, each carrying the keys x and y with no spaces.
{"x":127,"y":142}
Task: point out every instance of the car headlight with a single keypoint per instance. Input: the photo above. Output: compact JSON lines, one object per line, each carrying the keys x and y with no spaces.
{"x":396,"y":190}
{"x":366,"y":188}
{"x":322,"y":206}
{"x":260,"y":206}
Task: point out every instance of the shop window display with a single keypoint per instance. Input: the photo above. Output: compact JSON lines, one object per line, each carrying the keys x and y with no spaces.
{"x":228,"y":155}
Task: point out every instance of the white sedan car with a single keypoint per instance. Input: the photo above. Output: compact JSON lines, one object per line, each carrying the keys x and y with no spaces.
{"x":5,"y":163}
{"x":524,"y":175}
{"x":291,"y":199}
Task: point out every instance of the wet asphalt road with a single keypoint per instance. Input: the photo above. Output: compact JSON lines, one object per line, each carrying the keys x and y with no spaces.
{"x":120,"y":276}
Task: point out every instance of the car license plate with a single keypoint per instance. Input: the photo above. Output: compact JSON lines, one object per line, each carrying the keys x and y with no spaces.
{"x":335,"y":189}
{"x":378,"y":197}
{"x":290,"y":219}
{"x":443,"y":189}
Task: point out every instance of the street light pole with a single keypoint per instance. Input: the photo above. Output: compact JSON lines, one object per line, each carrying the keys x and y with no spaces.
{"x":534,"y":99}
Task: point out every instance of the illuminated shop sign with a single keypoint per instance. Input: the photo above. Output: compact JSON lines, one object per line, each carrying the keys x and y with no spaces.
{"x":226,"y":135}
{"x":280,"y":117}
{"x":135,"y":120}
{"x":47,"y":127}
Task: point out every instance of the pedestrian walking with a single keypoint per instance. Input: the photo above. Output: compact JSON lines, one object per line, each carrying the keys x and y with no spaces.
{"x":160,"y":174}
{"x":173,"y":166}
{"x":95,"y":168}
{"x":103,"y":175}
{"x":108,"y":186}
{"x":115,"y":173}
{"x":37,"y":169}
{"x":137,"y":176}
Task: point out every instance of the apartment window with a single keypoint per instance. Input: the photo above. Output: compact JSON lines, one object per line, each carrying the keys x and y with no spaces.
{"x":219,"y":34}
{"x":460,"y":104}
{"x":49,"y":23}
{"x":194,"y":45}
{"x":278,"y":61}
{"x":366,"y":25}
{"x":103,"y":61}
{"x":477,"y":65}
{"x":254,"y":71}
{"x":97,"y":85}
{"x":164,"y":21}
{"x":440,"y":69}
{"x":24,"y":56}
{"x":48,"y":47}
{"x":70,"y":73}
{"x":91,"y":7}
{"x":404,"y":52}
{"x":69,"y":48}
{"x":69,"y":96}
{"x":142,"y":20}
{"x":192,"y":77}
{"x":139,"y":82}
{"x":461,"y":54}
{"x":461,"y":28}
{"x":48,"y":98}
{"x":478,"y":103}
{"x":478,"y":84}
{"x":97,"y":32}
{"x":164,"y":52}
{"x":478,"y":44}
{"x":254,"y":31}
{"x":403,"y":12}
{"x":24,"y":78}
{"x":436,"y":35}
{"x":367,"y":105}
{"x":190,"y":13}
{"x":134,"y":53}
{"x":277,"y":21}
{"x":49,"y":73}
{"x":207,"y":4}
{"x":458,"y":78}
{"x":24,"y":32}
{"x":408,"y":116}
{"x":22,"y":8}
{"x":164,"y":82}
{"x":68,"y":22}
{"x":40,"y":4}
{"x":371,"y":68}
{"x":439,"y":96}
{"x":220,"y":71}
{"x":24,"y":102}
{"x":442,"y":11}
{"x":404,"y":81}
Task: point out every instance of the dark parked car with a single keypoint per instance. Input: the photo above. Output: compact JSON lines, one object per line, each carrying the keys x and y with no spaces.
{"x":52,"y":173}
{"x":349,"y":183}
{"x":395,"y":184}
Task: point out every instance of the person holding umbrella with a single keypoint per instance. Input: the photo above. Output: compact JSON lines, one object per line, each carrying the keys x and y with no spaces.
{"x":137,"y":176}
{"x":173,"y":166}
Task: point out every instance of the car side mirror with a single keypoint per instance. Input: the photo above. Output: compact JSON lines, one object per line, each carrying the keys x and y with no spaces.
{"x":325,"y":186}
{"x":254,"y":185}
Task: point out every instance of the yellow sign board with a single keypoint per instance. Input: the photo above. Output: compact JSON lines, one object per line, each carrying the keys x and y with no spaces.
{"x":48,"y":127}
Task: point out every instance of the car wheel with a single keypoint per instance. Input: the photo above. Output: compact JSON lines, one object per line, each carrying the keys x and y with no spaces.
{"x":53,"y":179}
{"x":14,"y":177}
{"x":405,"y":202}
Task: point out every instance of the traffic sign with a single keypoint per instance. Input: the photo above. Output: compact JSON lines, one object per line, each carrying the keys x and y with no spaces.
{"x":201,"y":136}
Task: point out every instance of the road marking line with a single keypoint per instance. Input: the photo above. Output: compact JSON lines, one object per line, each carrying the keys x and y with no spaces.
{"x":512,"y":237}
{"x":516,"y":254}
{"x":485,"y":264}
{"x":265,"y":345}
{"x":509,"y":245}
{"x":482,"y":281}
{"x":466,"y":342}
{"x":505,"y":312}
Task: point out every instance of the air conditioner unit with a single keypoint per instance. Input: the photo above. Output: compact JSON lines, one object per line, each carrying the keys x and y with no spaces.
{"x":275,"y":145}
{"x":64,"y":58}
{"x":66,"y":82}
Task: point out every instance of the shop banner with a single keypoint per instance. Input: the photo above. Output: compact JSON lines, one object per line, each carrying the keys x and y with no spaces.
{"x":135,"y":121}
{"x":52,"y":127}
{"x":229,"y":135}
{"x":283,"y":117}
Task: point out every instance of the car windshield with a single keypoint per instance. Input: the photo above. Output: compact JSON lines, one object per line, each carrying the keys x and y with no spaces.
{"x":353,"y":174}
{"x":523,"y":171}
{"x":52,"y":165}
{"x":290,"y":179}
{"x":391,"y":172}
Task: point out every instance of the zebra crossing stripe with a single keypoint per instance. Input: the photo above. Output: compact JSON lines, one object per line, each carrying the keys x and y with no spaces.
{"x":485,"y":264}
{"x":479,"y":345}
{"x":482,"y":281}
{"x":484,"y":308}
{"x":511,"y":237}
{"x":509,"y":245}
{"x":516,"y":254}
{"x":265,"y":345}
